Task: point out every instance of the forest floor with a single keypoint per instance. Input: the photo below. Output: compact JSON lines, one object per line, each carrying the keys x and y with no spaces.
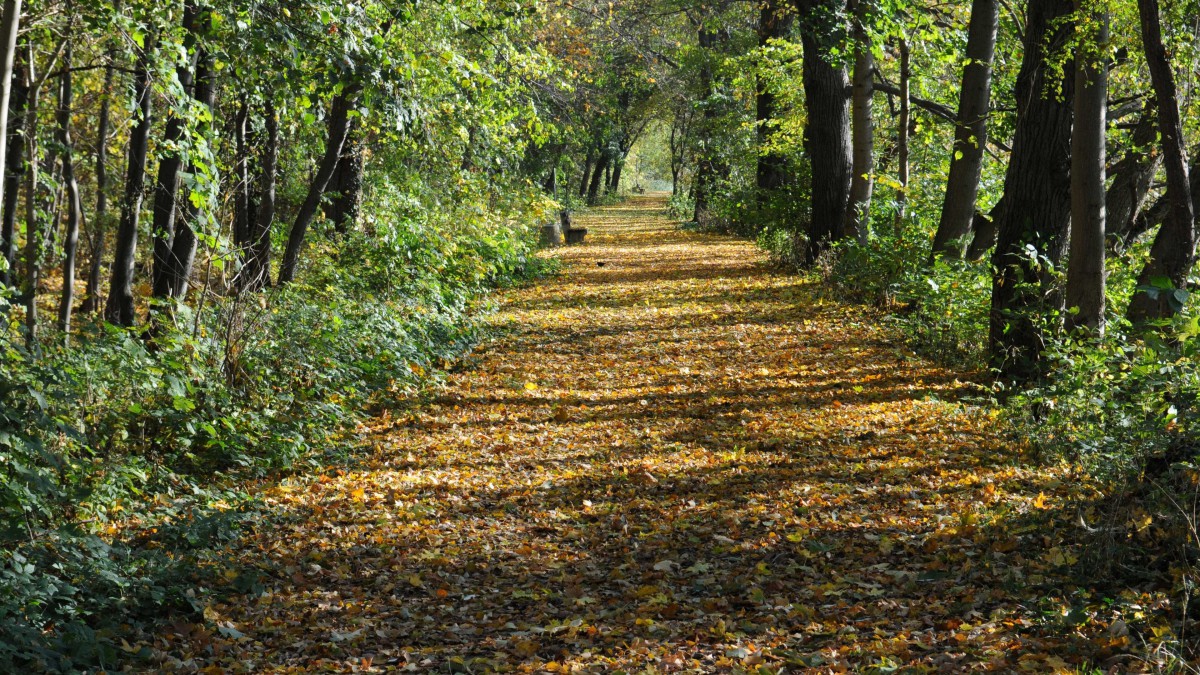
{"x":670,"y":458}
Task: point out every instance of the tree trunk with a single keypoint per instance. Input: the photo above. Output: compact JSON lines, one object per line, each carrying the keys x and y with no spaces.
{"x":970,"y":132}
{"x":902,"y":149}
{"x":74,"y":205}
{"x":827,"y":136}
{"x":245,"y":169}
{"x":1085,"y":267}
{"x":983,"y":231}
{"x":858,"y":207}
{"x":15,"y":171}
{"x":10,"y":19}
{"x":1037,"y":201}
{"x":587,"y":173}
{"x":1154,"y":215}
{"x":614,"y":185}
{"x":1131,"y":177}
{"x":1165,"y":274}
{"x":34,"y":237}
{"x":346,"y":183}
{"x":170,"y":166}
{"x":338,"y":127}
{"x":183,"y":248}
{"x":92,"y":302}
{"x":593,"y":193}
{"x":257,"y":272}
{"x":710,"y":166}
{"x":120,"y":308}
{"x":774,"y":23}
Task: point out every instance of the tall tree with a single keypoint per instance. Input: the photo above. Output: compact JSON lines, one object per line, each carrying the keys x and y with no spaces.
{"x":170,"y":166}
{"x":903,"y":122}
{"x":827,"y":135}
{"x":183,"y":247}
{"x":711,"y":165}
{"x":1085,"y":271}
{"x":862,"y":132}
{"x":119,"y":309}
{"x":35,"y":237}
{"x":346,"y":184}
{"x":1130,"y":180}
{"x":774,"y":23}
{"x":74,"y":203}
{"x":15,"y":167}
{"x":257,"y":273}
{"x":91,"y":303}
{"x":10,"y":20}
{"x":1174,"y":251}
{"x":970,"y":132}
{"x":1032,"y":225}
{"x":337,"y":128}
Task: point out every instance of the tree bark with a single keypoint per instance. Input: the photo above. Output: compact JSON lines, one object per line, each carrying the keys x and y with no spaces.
{"x":256,"y":273}
{"x":827,"y":136}
{"x":10,"y":19}
{"x":245,"y":169}
{"x":1036,"y":198}
{"x":858,"y":207}
{"x":92,"y":302}
{"x":587,"y":172}
{"x":970,"y":133}
{"x":338,"y":126}
{"x":593,"y":193}
{"x":346,"y":183}
{"x":34,"y":237}
{"x":710,"y":166}
{"x":1131,"y":177}
{"x":1085,"y":267}
{"x":614,"y":185}
{"x":119,"y":309}
{"x":15,"y":169}
{"x":1174,"y":249}
{"x":902,"y":123}
{"x":183,"y":248}
{"x":170,"y":166}
{"x":774,"y":23}
{"x":74,"y":205}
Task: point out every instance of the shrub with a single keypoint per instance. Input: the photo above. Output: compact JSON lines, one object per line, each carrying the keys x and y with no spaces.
{"x":95,"y":437}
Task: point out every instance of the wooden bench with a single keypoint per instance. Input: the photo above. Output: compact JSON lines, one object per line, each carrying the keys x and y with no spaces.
{"x":575,"y":235}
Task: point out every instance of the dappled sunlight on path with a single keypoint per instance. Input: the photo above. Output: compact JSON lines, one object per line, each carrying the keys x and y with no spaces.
{"x":671,"y":458}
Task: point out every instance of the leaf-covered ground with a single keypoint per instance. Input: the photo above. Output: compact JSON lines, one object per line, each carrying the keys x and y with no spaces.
{"x":671,"y":459}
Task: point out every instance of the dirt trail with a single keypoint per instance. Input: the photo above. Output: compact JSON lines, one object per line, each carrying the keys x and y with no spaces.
{"x":672,"y":458}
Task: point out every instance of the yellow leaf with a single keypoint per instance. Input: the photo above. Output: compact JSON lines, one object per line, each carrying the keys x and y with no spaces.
{"x":415,"y":580}
{"x":885,"y":545}
{"x":530,"y":386}
{"x":358,"y":494}
{"x":1040,"y":501}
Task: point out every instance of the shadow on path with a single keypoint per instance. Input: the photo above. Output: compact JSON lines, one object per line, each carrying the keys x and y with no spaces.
{"x":678,"y":461}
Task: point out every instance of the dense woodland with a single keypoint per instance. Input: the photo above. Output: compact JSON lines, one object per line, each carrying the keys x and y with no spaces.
{"x":231,"y":230}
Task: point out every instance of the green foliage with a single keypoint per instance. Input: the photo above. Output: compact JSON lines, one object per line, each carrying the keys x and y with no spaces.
{"x":248,"y":385}
{"x":943,"y":308}
{"x":1120,"y":404}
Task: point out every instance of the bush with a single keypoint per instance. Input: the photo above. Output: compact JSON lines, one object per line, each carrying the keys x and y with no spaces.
{"x":942,"y":308}
{"x":97,"y":436}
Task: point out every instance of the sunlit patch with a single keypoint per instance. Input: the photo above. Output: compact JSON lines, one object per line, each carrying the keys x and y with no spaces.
{"x":681,"y":461}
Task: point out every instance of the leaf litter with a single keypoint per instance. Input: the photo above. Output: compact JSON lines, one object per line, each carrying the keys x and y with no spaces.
{"x":679,"y":461}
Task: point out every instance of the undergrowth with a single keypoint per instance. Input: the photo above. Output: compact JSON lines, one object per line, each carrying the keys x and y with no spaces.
{"x":121,"y":451}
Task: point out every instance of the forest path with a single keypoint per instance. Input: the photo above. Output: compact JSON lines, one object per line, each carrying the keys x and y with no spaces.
{"x":672,"y":458}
